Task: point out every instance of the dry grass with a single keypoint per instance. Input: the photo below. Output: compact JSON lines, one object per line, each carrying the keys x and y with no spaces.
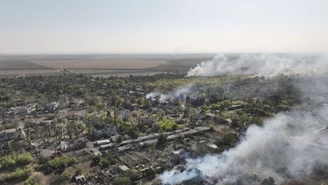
{"x":101,"y":64}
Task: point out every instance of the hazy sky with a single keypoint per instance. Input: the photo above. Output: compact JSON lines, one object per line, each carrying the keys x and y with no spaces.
{"x":163,"y":26}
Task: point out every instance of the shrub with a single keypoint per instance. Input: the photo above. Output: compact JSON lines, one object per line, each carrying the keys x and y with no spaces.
{"x":121,"y":181}
{"x":106,"y":161}
{"x":35,"y":180}
{"x":168,"y":125}
{"x":15,"y":160}
{"x":228,"y":139}
{"x":67,"y":175}
{"x":59,"y":163}
{"x":161,"y":140}
{"x":18,"y":174}
{"x":50,"y":116}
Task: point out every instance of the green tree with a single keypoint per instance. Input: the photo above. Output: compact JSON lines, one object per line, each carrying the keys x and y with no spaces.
{"x":133,"y":174}
{"x":161,"y":140}
{"x":121,"y":181}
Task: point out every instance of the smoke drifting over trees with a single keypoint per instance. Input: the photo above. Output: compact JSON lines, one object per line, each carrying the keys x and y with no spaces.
{"x":260,"y":64}
{"x":289,"y":145}
{"x":176,"y":93}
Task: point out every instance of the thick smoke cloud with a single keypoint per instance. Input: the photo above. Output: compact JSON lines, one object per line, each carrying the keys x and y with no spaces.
{"x":287,"y":146}
{"x":260,"y":64}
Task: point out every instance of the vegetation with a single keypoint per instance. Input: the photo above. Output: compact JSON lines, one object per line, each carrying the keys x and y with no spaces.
{"x":14,"y":160}
{"x":211,"y":102}
{"x":34,"y":180}
{"x":161,"y":140}
{"x":59,"y":163}
{"x":18,"y":174}
{"x":60,"y":178}
{"x":106,"y":161}
{"x":121,"y":181}
{"x":168,"y":125}
{"x":228,"y":139}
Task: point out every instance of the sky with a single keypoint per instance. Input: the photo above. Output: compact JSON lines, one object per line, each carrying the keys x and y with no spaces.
{"x":163,"y":26}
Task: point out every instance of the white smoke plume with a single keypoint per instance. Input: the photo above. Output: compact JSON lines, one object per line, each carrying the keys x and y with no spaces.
{"x":260,"y":64}
{"x":286,"y":145}
{"x":289,"y":145}
{"x":179,"y":92}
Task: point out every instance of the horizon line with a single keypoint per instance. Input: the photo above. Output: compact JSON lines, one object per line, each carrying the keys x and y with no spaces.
{"x":150,"y":53}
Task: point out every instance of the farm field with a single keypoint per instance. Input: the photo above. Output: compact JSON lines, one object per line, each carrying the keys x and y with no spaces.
{"x":127,"y":73}
{"x":101,"y":64}
{"x":21,"y":65}
{"x":22,"y":72}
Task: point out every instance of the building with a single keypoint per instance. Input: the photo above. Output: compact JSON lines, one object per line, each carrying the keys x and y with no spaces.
{"x":51,"y":107}
{"x":80,"y":179}
{"x":8,"y":134}
{"x":125,"y":114}
{"x":4,"y":148}
{"x":177,"y":156}
{"x":123,"y":168}
{"x":234,"y":107}
{"x":212,"y":146}
{"x":22,"y":110}
{"x":102,"y":142}
{"x":105,"y":130}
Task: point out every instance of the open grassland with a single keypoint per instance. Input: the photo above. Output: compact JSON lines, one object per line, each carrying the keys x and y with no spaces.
{"x":101,"y":64}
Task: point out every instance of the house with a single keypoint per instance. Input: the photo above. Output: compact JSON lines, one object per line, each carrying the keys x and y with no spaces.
{"x":126,"y":137}
{"x":177,"y":156}
{"x":134,"y":106}
{"x":51,"y":107}
{"x":147,"y":121}
{"x":76,"y":102}
{"x":201,"y":143}
{"x":201,"y":115}
{"x":4,"y":148}
{"x":123,"y":148}
{"x":122,"y":168}
{"x":234,"y":107}
{"x":114,"y":138}
{"x":80,"y":179}
{"x":22,"y":110}
{"x":212,"y":146}
{"x":102,"y":142}
{"x":125,"y":114}
{"x":105,"y":130}
{"x":17,"y":111}
{"x":66,"y":145}
{"x":139,"y":89}
{"x":132,"y":93}
{"x":20,"y":103}
{"x":8,"y":134}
